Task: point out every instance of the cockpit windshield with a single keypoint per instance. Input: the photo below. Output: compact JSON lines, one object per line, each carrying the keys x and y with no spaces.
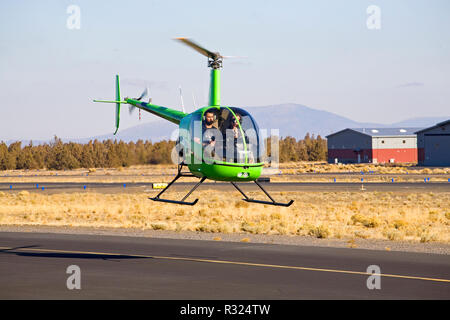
{"x":229,"y":135}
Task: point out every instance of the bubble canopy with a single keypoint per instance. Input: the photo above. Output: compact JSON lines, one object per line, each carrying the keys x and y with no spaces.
{"x":222,"y":135}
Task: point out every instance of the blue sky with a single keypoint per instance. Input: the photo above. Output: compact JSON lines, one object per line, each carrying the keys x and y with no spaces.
{"x":316,"y":53}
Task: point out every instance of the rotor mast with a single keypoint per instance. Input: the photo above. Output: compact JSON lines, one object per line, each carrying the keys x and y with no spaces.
{"x":214,"y":87}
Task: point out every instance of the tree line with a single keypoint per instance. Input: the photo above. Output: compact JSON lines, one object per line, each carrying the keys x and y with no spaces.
{"x":308,"y":149}
{"x":58,"y":155}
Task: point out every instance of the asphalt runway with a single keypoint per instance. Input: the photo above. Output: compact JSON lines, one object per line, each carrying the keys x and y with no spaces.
{"x":34,"y":266}
{"x":56,"y":187}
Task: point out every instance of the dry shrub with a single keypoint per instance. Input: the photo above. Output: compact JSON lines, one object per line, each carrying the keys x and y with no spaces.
{"x":320,"y":232}
{"x":202,"y":212}
{"x":433,"y":216}
{"x":428,"y":237}
{"x":275,"y":215}
{"x":159,"y":226}
{"x":368,"y":222}
{"x":398,"y":224}
{"x":393,"y":235}
{"x":241,"y":204}
{"x":362,"y":234}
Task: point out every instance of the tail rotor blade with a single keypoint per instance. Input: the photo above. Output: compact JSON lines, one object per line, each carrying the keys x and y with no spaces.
{"x":143,"y":94}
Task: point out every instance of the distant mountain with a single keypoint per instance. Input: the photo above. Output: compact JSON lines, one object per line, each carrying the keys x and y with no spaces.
{"x":296,"y":120}
{"x":291,"y":119}
{"x":420,"y":122}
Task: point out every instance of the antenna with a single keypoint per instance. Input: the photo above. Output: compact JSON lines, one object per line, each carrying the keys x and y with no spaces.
{"x":193,"y":99}
{"x":182,"y":102}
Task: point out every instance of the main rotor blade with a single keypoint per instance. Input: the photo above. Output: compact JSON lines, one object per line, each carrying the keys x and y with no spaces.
{"x":198,"y":48}
{"x":234,"y":57}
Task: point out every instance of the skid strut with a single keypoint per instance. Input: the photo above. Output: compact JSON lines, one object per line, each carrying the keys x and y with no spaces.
{"x":273,"y":202}
{"x":179,"y":175}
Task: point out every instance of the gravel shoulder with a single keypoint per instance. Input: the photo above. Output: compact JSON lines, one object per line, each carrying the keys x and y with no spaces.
{"x":403,"y":246}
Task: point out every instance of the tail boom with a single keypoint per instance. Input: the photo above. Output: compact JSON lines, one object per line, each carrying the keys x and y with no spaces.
{"x":171,"y":115}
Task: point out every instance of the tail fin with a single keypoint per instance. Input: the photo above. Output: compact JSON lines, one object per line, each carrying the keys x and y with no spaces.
{"x":117,"y":102}
{"x":172,"y":115}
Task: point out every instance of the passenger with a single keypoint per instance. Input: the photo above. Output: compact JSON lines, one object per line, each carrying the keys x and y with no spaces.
{"x":233,"y":139}
{"x":235,"y":126}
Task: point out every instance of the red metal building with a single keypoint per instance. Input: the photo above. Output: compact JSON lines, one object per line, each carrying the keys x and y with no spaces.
{"x":373,"y":145}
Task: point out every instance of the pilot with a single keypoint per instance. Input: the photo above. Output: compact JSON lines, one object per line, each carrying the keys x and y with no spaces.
{"x":209,"y":129}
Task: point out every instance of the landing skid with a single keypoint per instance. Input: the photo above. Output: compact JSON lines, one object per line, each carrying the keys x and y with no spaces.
{"x":183,"y":202}
{"x":179,"y":175}
{"x":273,"y":202}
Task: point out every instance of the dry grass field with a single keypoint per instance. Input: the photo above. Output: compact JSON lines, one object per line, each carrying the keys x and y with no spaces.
{"x":323,"y":167}
{"x":324,"y":172}
{"x":290,"y":172}
{"x":414,"y":216}
{"x":417,"y":217}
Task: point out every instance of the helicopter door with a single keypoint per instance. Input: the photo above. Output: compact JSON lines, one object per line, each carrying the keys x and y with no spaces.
{"x":235,"y":148}
{"x":243,"y":143}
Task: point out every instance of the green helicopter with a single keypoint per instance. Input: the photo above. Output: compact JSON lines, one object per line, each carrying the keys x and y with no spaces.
{"x":216,"y":142}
